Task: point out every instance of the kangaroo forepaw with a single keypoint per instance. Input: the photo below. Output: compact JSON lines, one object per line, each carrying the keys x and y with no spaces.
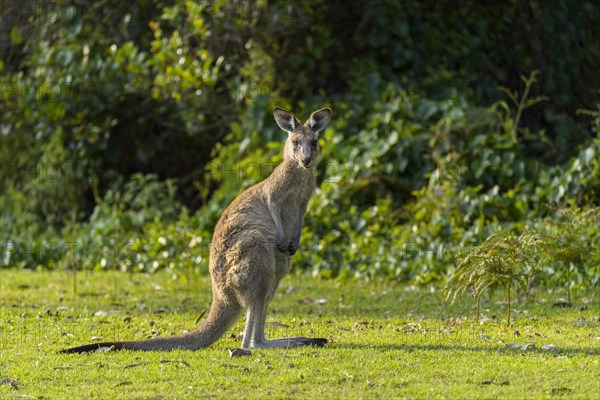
{"x":288,"y":248}
{"x":292,"y":248}
{"x":283,"y":246}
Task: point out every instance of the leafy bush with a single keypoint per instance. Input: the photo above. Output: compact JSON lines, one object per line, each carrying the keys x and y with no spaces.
{"x":127,"y":128}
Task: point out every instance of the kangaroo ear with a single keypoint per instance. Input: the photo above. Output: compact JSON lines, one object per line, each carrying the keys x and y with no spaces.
{"x":285,"y":119}
{"x":319,"y":119}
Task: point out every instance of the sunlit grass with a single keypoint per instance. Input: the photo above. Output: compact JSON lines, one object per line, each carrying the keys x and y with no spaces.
{"x":387,"y":341}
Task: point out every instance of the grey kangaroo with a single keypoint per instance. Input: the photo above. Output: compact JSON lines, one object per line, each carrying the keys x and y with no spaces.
{"x":251,"y":247}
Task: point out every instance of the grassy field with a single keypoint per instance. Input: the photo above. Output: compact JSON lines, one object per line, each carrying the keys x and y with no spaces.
{"x":386,"y":341}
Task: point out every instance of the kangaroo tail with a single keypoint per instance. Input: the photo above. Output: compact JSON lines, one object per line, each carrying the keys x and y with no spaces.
{"x":220,"y":318}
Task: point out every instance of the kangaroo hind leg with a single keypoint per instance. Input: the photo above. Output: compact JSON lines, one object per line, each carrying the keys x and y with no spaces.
{"x":256,"y":308}
{"x":254,"y":332}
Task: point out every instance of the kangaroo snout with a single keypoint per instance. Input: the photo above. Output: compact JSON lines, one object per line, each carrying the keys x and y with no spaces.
{"x":306,"y":162}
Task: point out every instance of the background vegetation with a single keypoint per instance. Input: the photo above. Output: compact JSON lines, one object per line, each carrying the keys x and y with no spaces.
{"x":127,"y":127}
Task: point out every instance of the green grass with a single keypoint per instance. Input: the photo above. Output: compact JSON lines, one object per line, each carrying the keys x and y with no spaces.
{"x":387,"y":341}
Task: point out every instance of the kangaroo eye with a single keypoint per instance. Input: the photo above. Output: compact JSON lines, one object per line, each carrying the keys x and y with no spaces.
{"x":315,"y":143}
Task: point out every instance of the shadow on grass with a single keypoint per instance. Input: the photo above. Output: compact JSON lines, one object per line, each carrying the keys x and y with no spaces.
{"x":492,"y":349}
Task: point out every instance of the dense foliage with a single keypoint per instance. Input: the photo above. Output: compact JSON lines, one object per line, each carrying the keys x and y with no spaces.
{"x":127,"y":127}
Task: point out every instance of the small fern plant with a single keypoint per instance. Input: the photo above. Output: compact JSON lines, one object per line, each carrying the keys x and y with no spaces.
{"x":501,"y":261}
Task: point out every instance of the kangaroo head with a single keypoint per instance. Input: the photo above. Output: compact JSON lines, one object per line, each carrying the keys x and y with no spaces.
{"x":302,"y":145}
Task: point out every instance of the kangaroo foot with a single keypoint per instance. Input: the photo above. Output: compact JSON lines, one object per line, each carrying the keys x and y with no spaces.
{"x":288,"y":343}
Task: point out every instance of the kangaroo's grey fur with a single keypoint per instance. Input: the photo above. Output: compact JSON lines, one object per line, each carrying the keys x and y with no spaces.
{"x":252,"y":245}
